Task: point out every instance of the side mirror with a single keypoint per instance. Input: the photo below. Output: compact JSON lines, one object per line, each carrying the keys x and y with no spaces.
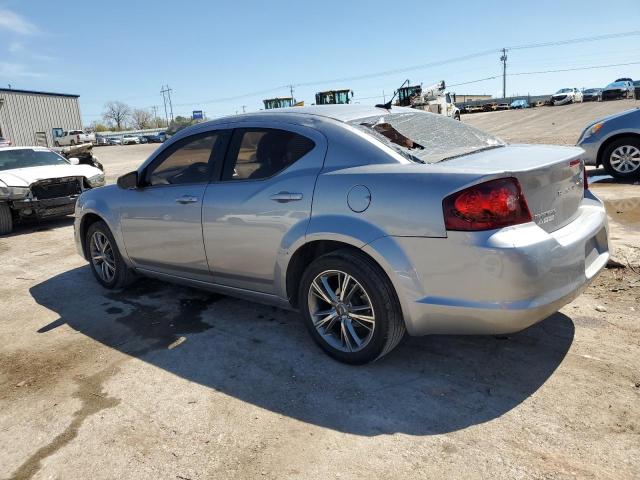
{"x":128,"y":181}
{"x":74,"y":161}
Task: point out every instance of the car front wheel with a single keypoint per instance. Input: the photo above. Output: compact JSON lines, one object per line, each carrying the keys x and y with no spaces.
{"x":107,"y":264}
{"x":350,"y":307}
{"x":6,"y":219}
{"x":621,"y":159}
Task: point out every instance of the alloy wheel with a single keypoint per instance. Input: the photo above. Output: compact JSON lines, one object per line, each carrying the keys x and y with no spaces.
{"x":102,"y":257}
{"x":625,"y":159}
{"x":341,"y":311}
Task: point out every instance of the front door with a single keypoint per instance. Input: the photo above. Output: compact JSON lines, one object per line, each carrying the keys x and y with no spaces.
{"x":263,"y":199}
{"x":162,"y":221}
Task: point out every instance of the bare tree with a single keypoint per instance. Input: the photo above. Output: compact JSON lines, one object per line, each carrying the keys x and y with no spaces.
{"x":117,"y":113}
{"x":141,"y":118}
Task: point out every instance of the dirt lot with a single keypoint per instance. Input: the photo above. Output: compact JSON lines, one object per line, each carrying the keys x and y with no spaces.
{"x":555,"y":125}
{"x":166,"y":382}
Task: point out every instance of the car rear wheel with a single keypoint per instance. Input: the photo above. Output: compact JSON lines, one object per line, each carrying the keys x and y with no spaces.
{"x":621,"y":159}
{"x":56,"y":143}
{"x":107,"y":264}
{"x":350,"y":307}
{"x":6,"y":219}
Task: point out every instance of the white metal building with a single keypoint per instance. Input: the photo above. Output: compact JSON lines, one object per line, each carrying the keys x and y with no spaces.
{"x":30,"y":118}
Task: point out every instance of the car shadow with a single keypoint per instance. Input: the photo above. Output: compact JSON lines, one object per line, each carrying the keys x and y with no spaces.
{"x":264,"y":356}
{"x":25,"y":227}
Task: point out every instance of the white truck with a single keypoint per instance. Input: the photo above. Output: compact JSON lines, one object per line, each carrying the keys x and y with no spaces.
{"x":73,"y":137}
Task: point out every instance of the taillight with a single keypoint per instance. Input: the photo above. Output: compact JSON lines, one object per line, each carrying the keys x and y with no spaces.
{"x":486,"y":206}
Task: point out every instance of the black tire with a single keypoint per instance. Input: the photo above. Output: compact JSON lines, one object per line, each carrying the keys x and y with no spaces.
{"x":6,"y":219}
{"x":123,"y":274}
{"x":389,"y":324}
{"x":57,"y":144}
{"x":73,"y":142}
{"x":456,"y":117}
{"x":608,"y":151}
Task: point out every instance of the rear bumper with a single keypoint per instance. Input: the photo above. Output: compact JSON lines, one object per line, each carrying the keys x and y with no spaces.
{"x":500,"y":281}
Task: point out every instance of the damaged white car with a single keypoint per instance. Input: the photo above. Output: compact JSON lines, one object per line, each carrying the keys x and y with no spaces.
{"x":37,"y":183}
{"x":565,"y":96}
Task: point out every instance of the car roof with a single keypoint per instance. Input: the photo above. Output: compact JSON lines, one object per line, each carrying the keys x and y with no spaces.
{"x":341,"y":113}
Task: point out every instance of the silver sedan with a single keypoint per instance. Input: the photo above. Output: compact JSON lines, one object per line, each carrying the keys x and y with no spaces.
{"x":370,"y":222}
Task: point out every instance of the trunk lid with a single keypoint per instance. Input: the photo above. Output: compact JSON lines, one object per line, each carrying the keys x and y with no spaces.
{"x":551,"y":178}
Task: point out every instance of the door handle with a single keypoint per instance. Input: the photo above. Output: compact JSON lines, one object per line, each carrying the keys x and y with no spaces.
{"x":284,"y":197}
{"x":186,"y":199}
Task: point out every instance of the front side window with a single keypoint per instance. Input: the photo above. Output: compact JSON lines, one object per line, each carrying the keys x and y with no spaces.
{"x":263,"y":152}
{"x":188,"y":162}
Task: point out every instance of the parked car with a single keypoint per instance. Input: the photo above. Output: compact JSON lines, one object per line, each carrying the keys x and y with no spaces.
{"x":143,"y":139}
{"x":379,"y":222}
{"x":74,"y":137}
{"x":114,"y":141}
{"x":519,"y":104}
{"x":565,"y":96}
{"x":36,"y":182}
{"x":501,"y":106}
{"x":4,"y":142}
{"x":592,"y":95}
{"x":614,"y":143}
{"x":130,"y":140}
{"x":636,"y":87}
{"x":100,"y":140}
{"x":618,"y":89}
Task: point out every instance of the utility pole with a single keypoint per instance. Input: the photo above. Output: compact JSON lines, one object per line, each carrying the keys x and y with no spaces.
{"x":164,"y":101}
{"x":503,"y":59}
{"x":244,"y":109}
{"x":167,"y":98}
{"x":291,"y":90}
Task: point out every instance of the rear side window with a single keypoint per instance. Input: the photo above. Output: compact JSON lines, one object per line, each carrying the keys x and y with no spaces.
{"x":263,"y":152}
{"x":187,"y":162}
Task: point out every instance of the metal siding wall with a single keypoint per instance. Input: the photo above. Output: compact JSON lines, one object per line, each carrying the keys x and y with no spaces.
{"x":24,"y":114}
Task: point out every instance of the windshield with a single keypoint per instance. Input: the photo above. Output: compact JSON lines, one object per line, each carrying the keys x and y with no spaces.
{"x":426,"y":137}
{"x":565,"y":90}
{"x":25,"y":158}
{"x":617,"y":84}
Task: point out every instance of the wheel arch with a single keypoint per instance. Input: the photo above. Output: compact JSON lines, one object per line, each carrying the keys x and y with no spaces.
{"x":609,"y":141}
{"x":308,"y":252}
{"x":87,"y":220}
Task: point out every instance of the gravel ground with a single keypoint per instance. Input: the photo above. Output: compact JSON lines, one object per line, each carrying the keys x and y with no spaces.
{"x":162,"y":381}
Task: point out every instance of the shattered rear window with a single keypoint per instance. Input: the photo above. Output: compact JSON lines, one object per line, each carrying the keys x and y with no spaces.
{"x":426,"y":137}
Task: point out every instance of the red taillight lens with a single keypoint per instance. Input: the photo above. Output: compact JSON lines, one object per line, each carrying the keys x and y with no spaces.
{"x":487,"y":206}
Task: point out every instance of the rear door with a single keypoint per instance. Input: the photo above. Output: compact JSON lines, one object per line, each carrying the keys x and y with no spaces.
{"x":261,"y":203}
{"x":162,"y":223}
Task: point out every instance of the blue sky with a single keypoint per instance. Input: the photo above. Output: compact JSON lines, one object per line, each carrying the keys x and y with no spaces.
{"x":209,"y":51}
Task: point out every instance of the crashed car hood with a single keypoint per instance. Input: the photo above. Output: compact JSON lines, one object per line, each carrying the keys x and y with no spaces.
{"x":23,"y":177}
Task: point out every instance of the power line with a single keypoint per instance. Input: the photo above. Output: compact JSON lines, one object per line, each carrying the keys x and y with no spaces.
{"x":540,"y":72}
{"x":593,"y":38}
{"x":424,"y":65}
